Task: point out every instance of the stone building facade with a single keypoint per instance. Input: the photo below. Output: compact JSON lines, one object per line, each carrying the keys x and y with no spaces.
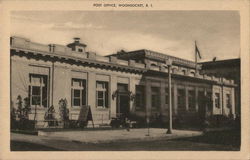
{"x":128,"y":83}
{"x":230,"y":69}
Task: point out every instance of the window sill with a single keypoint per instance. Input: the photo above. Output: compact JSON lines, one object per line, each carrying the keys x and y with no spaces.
{"x":75,"y":107}
{"x":102,"y":109}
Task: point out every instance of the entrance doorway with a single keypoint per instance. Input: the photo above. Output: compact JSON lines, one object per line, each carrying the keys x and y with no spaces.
{"x":122,"y":101}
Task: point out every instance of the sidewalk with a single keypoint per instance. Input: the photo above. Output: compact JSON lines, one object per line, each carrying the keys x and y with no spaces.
{"x":122,"y":140}
{"x":118,"y":135}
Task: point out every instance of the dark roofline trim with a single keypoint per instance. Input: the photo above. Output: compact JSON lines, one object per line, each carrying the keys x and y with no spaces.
{"x":221,"y":61}
{"x":70,"y":59}
{"x":162,"y":57}
{"x":188,"y":78}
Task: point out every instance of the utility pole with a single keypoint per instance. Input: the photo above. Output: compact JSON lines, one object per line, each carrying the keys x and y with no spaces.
{"x":169,"y":63}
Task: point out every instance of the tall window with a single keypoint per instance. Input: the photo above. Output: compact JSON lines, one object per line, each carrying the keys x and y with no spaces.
{"x":139,"y":97}
{"x":78,"y":92}
{"x":38,"y":90}
{"x":155,"y":100}
{"x":191,"y":100}
{"x":166,"y":96}
{"x":181,"y":99}
{"x":102,"y":94}
{"x":228,"y":100}
{"x":217,"y":100}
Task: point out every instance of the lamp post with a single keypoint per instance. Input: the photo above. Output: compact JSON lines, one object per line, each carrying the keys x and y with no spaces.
{"x":169,"y":63}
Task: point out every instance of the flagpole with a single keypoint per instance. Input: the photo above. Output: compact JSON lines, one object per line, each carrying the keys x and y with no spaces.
{"x":195,"y":52}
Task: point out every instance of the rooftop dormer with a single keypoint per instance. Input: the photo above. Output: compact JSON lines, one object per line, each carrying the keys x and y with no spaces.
{"x":77,"y":46}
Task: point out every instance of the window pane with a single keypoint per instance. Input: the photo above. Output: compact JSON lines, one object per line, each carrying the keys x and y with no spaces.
{"x":36,"y":100}
{"x":76,"y":102}
{"x":100,"y":102}
{"x":191,"y":99}
{"x":181,"y":98}
{"x":228,"y":100}
{"x":84,"y":97}
{"x":44,"y":97}
{"x":76,"y":83}
{"x":139,"y":99}
{"x":100,"y":94}
{"x":36,"y":80}
{"x":80,"y":50}
{"x":155,"y":101}
{"x":106,"y":99}
{"x":36,"y":90}
{"x":217,"y":100}
{"x":166,"y":99}
{"x":166,"y":96}
{"x":76,"y":93}
{"x":99,"y":85}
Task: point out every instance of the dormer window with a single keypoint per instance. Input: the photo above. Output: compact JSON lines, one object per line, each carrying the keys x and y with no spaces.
{"x":80,"y":50}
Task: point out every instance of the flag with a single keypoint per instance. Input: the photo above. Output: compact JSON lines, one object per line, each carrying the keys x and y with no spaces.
{"x":197,"y":52}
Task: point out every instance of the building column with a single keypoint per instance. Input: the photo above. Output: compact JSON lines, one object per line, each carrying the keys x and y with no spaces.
{"x":233,"y":102}
{"x":196,"y":98}
{"x":132,"y":89}
{"x":163,"y":97}
{"x":113,"y":88}
{"x":92,"y":91}
{"x":175,"y":105}
{"x":148,"y":98}
{"x":186,"y":97}
{"x":170,"y":101}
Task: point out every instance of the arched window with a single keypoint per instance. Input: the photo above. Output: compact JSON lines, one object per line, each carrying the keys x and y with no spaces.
{"x":153,"y":64}
{"x":192,"y":73}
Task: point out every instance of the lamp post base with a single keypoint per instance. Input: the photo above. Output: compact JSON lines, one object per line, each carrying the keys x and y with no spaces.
{"x":169,"y":131}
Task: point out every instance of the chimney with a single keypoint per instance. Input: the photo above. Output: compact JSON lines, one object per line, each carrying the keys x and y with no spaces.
{"x":77,"y":40}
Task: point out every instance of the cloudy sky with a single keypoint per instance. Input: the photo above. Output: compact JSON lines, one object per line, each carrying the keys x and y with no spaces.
{"x":170,"y":32}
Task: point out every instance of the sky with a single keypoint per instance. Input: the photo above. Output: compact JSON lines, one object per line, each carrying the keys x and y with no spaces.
{"x":217,"y":33}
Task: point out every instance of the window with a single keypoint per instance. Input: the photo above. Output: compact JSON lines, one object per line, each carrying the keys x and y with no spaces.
{"x":191,"y":100}
{"x":38,"y":90}
{"x":192,"y":74}
{"x":80,"y":50}
{"x":183,"y":72}
{"x":155,"y":97}
{"x":181,"y":99}
{"x":228,"y":100}
{"x":166,"y":96}
{"x":217,"y":100}
{"x":102,"y":94}
{"x":78,"y":92}
{"x":139,"y":97}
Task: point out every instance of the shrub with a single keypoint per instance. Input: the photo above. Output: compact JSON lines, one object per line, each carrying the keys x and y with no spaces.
{"x":13,"y":120}
{"x":64,"y":112}
{"x":50,"y":116}
{"x":23,"y":110}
